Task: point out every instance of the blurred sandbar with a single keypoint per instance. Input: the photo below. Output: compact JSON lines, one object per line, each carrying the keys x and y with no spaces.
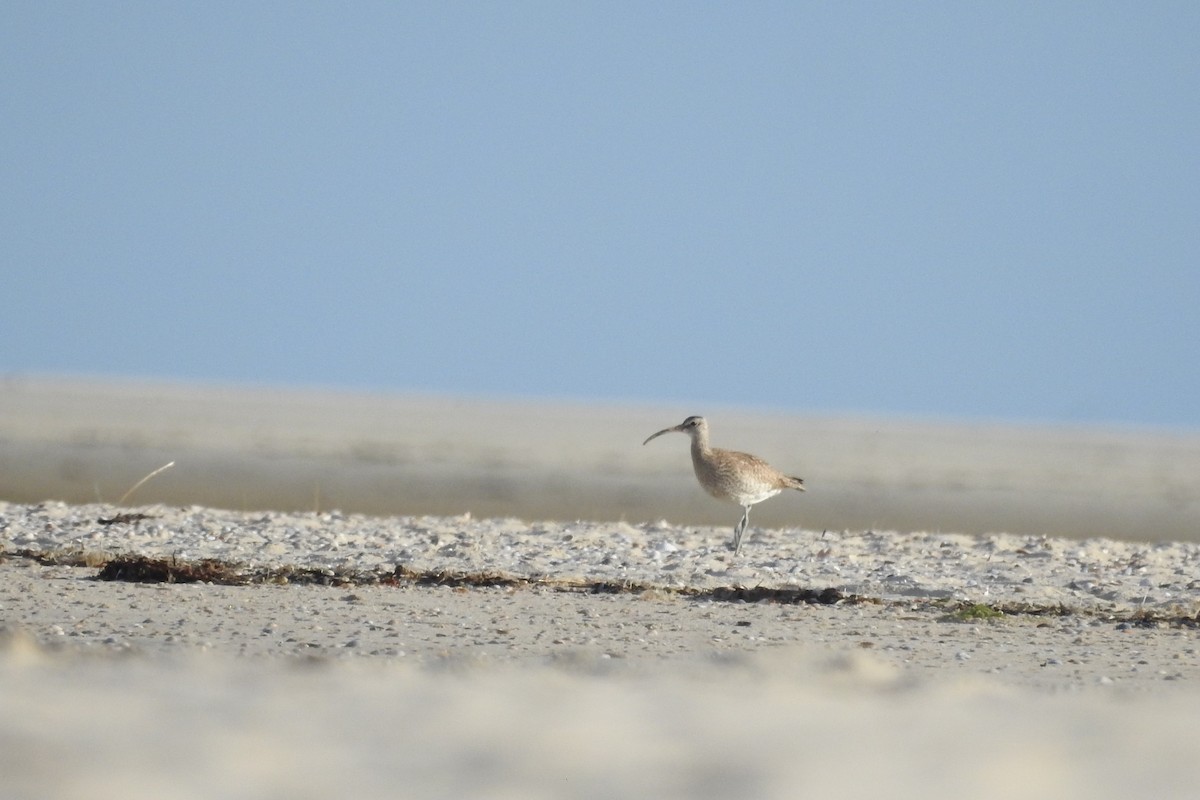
{"x":251,"y":448}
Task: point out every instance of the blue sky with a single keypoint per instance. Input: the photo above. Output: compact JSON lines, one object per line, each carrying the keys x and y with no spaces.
{"x":979,"y":210}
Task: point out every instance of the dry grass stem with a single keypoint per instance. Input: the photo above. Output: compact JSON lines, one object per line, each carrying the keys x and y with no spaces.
{"x":138,"y":485}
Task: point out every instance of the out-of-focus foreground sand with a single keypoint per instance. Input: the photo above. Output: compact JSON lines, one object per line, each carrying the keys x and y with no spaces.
{"x":257,"y":448}
{"x":792,"y":724}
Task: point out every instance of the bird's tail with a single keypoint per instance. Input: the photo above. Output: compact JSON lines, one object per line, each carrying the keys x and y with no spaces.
{"x":796,"y":483}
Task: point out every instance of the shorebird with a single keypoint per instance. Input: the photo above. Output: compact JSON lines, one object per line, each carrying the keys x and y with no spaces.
{"x":730,"y":475}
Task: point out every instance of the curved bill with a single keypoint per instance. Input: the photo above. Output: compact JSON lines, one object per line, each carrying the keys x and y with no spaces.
{"x":675,"y":429}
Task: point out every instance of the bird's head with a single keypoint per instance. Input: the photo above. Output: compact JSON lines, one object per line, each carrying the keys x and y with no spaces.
{"x":692,"y":426}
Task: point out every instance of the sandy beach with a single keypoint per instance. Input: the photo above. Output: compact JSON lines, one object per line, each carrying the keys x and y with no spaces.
{"x":466,"y":650}
{"x":594,"y":669}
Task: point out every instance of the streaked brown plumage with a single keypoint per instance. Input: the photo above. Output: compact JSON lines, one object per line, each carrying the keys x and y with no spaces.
{"x":730,"y":475}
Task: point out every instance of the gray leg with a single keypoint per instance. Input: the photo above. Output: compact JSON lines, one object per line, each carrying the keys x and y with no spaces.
{"x":739,"y":530}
